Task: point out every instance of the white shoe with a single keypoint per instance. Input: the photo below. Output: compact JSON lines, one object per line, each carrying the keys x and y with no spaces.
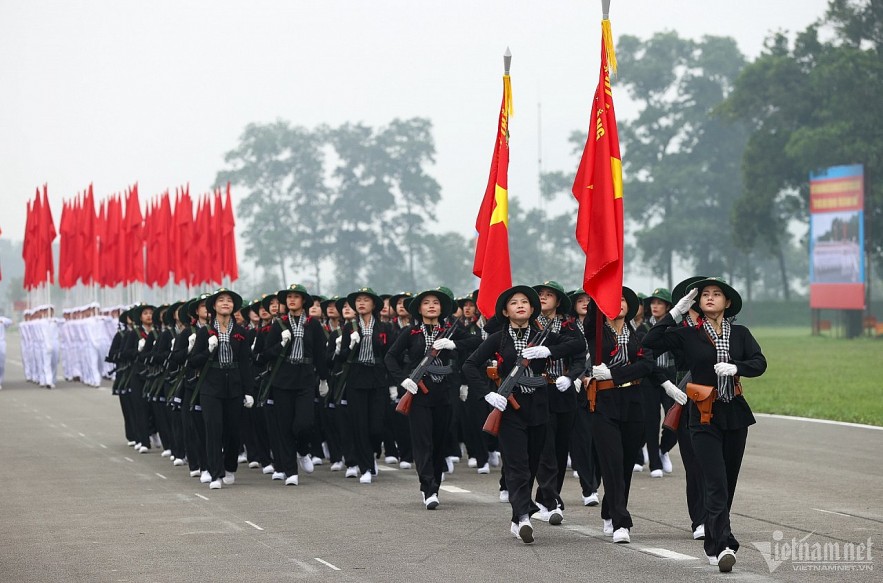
{"x":391,"y":460}
{"x":254,"y":465}
{"x":205,"y":477}
{"x":268,"y":469}
{"x":336,"y":466}
{"x":242,"y":458}
{"x":591,"y":499}
{"x":472,"y":462}
{"x":454,"y":459}
{"x":278,"y":475}
{"x":178,"y":462}
{"x":712,"y":560}
{"x":215,"y":485}
{"x":569,"y":462}
{"x":726,"y":560}
{"x":621,"y":535}
{"x":608,"y":526}
{"x":504,"y":496}
{"x":450,"y":464}
{"x":166,"y":453}
{"x":137,"y":446}
{"x":143,"y":449}
{"x":524,"y":531}
{"x":666,"y":463}
{"x":656,"y":474}
{"x":317,"y":461}
{"x":646,"y":456}
{"x":404,"y":465}
{"x":154,"y":441}
{"x":194,"y":473}
{"x":130,"y":443}
{"x":485,"y":469}
{"x":638,"y":468}
{"x":493,"y":458}
{"x":431,"y":502}
{"x":306,"y":463}
{"x":229,"y":478}
{"x":325,"y":451}
{"x":352,"y":472}
{"x":576,"y":474}
{"x":366,"y":478}
{"x":699,"y":533}
{"x":291,"y":480}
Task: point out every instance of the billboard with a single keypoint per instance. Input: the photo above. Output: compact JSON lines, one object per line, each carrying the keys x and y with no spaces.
{"x":837,"y":238}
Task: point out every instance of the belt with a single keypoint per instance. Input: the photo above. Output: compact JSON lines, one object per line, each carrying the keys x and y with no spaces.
{"x":439,"y":370}
{"x":232,"y":365}
{"x":303,"y":361}
{"x":605,"y":385}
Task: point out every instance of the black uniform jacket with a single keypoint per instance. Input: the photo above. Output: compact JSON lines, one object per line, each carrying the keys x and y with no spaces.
{"x":700,"y":357}
{"x":224,"y":382}
{"x":574,"y":366}
{"x":296,"y":376}
{"x":368,"y":376}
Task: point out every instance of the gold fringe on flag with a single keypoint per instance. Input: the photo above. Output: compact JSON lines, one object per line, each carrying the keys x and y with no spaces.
{"x":607,"y":35}
{"x":507,"y":95}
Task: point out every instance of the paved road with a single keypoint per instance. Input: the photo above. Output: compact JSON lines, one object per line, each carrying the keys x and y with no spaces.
{"x":79,"y":505}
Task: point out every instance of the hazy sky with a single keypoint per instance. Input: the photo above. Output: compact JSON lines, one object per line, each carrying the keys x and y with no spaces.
{"x":115,"y":92}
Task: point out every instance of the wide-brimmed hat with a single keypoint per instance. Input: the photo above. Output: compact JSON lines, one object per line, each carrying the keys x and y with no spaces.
{"x":339,"y":303}
{"x":532,"y":297}
{"x":447,"y":304}
{"x":660,"y":293}
{"x":295,"y":288}
{"x":172,"y":312}
{"x":194,"y":303}
{"x":632,"y":301}
{"x":137,"y":310}
{"x":365,"y":291}
{"x":680,"y":290}
{"x":210,"y":301}
{"x":564,"y":301}
{"x":730,"y":293}
{"x":470,"y":297}
{"x":327,"y":302}
{"x":446,"y":290}
{"x":395,"y":298}
{"x":572,"y":295}
{"x":266,"y":299}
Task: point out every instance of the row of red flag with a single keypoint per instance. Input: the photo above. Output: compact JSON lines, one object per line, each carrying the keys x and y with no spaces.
{"x":189,"y":243}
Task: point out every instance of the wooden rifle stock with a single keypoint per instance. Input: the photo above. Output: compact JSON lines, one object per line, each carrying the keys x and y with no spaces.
{"x":673,"y":417}
{"x":404,"y":406}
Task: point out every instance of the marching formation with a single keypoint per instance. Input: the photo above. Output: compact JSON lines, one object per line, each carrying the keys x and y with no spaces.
{"x":290,"y":381}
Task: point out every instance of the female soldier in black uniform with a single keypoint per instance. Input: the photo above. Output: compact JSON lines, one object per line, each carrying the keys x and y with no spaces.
{"x":717,"y":353}
{"x":223,"y":355}
{"x":522,"y":431}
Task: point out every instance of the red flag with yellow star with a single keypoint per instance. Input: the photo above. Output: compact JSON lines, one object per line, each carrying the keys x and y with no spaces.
{"x":598,"y":190}
{"x":492,"y":249}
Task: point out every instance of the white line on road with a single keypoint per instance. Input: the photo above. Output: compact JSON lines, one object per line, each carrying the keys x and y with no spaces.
{"x":81,"y":434}
{"x":832,"y":512}
{"x":453,"y":489}
{"x":128,"y":459}
{"x":667,"y":554}
{"x":327,"y":564}
{"x":161,"y":476}
{"x":252,"y":524}
{"x":823,"y":421}
{"x":387,"y":469}
{"x":102,"y":446}
{"x":200,"y":496}
{"x":62,"y":424}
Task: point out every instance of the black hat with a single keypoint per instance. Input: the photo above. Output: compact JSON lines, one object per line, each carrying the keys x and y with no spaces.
{"x":171,"y":313}
{"x":255,"y":306}
{"x":394,"y":299}
{"x":266,"y":299}
{"x":565,"y":303}
{"x":532,"y":297}
{"x":339,"y":303}
{"x":632,"y":301}
{"x":194,"y":303}
{"x":321,"y":299}
{"x":237,"y":299}
{"x":183,"y":313}
{"x":730,"y":293}
{"x":680,"y":290}
{"x":572,"y":295}
{"x":327,"y":302}
{"x":295,"y":288}
{"x":447,"y":305}
{"x":471,"y":297}
{"x":365,"y":291}
{"x":135,"y":312}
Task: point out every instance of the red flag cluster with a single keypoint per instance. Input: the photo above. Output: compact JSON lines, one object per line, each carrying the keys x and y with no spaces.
{"x":120,"y":245}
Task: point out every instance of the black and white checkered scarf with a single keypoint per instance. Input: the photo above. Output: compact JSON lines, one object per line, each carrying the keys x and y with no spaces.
{"x":366,"y":348}
{"x":430,"y":333}
{"x":621,"y":352}
{"x":555,"y":367}
{"x":225,"y":351}
{"x":664,"y":359}
{"x":725,"y":385}
{"x":297,"y":338}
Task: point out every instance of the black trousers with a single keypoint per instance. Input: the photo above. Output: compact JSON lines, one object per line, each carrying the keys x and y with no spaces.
{"x":656,"y":401}
{"x":719,"y":453}
{"x":221,"y":417}
{"x":616,"y":442}
{"x":366,"y":407}
{"x":255,"y":437}
{"x":401,"y":425}
{"x":475,"y":415}
{"x":583,"y":455}
{"x":553,"y":461}
{"x":128,"y":416}
{"x":294,"y":421}
{"x":163,"y":423}
{"x":317,"y":433}
{"x":141,"y":414}
{"x":330,"y":415}
{"x":692,"y":472}
{"x":176,"y":418}
{"x":390,"y":441}
{"x":269,"y":411}
{"x":522,"y":445}
{"x":194,"y":433}
{"x":429,"y":427}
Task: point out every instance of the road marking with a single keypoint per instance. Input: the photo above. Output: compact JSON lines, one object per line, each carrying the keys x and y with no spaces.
{"x":823,"y":421}
{"x":161,"y":476}
{"x":327,"y":564}
{"x":832,"y":512}
{"x":102,"y":446}
{"x":250,"y":523}
{"x":200,"y":496}
{"x":47,"y":416}
{"x":453,"y":489}
{"x":81,"y":434}
{"x":62,"y":424}
{"x":12,"y":360}
{"x":667,"y":554}
{"x":387,"y":469}
{"x":128,"y":459}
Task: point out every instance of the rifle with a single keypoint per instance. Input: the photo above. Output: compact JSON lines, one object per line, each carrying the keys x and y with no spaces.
{"x":673,"y":415}
{"x":336,"y":396}
{"x":492,"y":424}
{"x":404,"y":406}
{"x":209,"y":325}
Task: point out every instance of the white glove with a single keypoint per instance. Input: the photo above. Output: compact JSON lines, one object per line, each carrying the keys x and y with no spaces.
{"x":496,"y":400}
{"x":337,"y":345}
{"x":601,"y":372}
{"x":354,"y":339}
{"x":675,"y":393}
{"x":323,"y":388}
{"x":253,"y":343}
{"x":248,"y":402}
{"x":578,"y":385}
{"x":286,"y":337}
{"x":409,"y":386}
{"x":212,"y":343}
{"x":141,"y":344}
{"x":191,"y":342}
{"x":683,"y":305}
{"x":172,"y":345}
{"x":725,"y":369}
{"x":393,"y":393}
{"x":534,"y":352}
{"x":563,"y":383}
{"x":464,"y":392}
{"x":444,"y":344}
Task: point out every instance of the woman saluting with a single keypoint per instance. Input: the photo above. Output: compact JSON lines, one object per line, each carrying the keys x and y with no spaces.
{"x":717,"y":354}
{"x":223,"y":354}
